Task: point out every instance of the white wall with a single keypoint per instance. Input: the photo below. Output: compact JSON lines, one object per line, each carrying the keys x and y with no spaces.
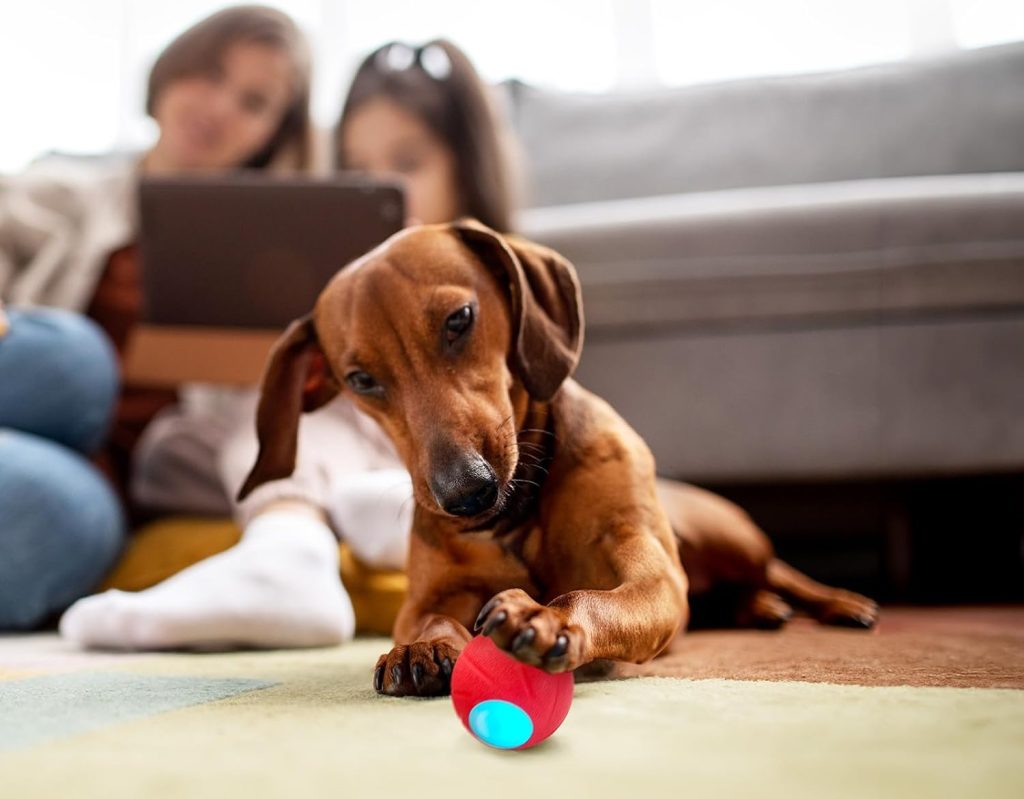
{"x":73,"y":71}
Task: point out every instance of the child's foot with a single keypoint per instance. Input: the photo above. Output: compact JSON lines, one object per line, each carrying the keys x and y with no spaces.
{"x":278,"y":587}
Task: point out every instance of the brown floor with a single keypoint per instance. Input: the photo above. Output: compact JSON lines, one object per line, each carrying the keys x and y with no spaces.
{"x":947,"y":647}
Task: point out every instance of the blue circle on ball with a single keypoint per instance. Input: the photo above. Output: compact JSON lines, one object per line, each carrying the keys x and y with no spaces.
{"x":501,"y":724}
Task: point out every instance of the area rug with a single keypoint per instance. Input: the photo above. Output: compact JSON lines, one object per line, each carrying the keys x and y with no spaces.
{"x":930,"y":705}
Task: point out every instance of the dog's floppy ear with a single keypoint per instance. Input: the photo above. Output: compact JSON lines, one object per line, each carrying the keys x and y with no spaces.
{"x":297,"y":380}
{"x":547,"y":311}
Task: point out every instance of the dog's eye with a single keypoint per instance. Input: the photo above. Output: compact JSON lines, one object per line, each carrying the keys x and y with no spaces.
{"x":458,"y":323}
{"x":362,"y":383}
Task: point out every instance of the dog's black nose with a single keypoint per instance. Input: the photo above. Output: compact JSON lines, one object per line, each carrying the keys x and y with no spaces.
{"x":465,"y":487}
{"x":475,"y":502}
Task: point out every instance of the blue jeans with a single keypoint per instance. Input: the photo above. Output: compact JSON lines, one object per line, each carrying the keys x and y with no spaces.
{"x":61,"y":524}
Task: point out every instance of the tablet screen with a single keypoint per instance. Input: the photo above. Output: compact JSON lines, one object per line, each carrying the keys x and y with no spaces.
{"x":251,"y":251}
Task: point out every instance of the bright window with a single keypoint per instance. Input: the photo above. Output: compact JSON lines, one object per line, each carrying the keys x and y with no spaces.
{"x":74,"y":70}
{"x":699,"y":43}
{"x":978,"y":23}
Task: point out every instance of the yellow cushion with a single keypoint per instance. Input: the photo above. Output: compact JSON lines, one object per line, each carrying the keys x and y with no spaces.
{"x":165,"y":547}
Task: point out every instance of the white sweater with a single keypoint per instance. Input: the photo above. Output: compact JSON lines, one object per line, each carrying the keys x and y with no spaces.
{"x":59,"y":222}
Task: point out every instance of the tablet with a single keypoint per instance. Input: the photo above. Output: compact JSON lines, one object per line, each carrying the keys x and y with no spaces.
{"x":228,"y":261}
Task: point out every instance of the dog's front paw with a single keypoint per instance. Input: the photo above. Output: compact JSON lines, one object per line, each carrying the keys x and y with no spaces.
{"x":423,"y":668}
{"x":531,"y":632}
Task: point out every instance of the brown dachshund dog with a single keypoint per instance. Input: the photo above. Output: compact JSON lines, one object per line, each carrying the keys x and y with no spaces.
{"x":538,"y":518}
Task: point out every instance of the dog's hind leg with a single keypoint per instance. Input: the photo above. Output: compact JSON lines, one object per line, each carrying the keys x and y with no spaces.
{"x":725,"y":556}
{"x":721,"y":547}
{"x":826,"y":604}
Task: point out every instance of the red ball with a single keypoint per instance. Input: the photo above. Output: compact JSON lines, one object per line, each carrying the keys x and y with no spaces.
{"x":504,"y":703}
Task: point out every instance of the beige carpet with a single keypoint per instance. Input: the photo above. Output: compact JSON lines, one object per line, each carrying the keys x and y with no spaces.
{"x":307,"y":724}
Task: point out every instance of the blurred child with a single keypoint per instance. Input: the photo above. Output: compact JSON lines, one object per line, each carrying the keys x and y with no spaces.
{"x":421,"y":114}
{"x":231,"y":92}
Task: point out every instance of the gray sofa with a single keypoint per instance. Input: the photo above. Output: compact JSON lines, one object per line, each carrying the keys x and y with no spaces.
{"x":796,"y":278}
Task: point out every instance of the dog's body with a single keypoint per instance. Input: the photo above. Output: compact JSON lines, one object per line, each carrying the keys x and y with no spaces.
{"x":538,"y":513}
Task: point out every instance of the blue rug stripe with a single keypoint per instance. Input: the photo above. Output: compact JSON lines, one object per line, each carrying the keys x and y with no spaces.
{"x":47,"y":708}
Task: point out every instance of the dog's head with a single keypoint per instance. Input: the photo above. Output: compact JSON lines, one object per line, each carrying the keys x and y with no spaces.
{"x":442,"y":334}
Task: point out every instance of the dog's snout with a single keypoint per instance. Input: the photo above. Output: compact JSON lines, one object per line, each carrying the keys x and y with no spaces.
{"x":465,"y":486}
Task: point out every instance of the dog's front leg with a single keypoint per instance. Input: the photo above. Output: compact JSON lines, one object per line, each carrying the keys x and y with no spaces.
{"x":426,"y":646}
{"x":633,"y":622}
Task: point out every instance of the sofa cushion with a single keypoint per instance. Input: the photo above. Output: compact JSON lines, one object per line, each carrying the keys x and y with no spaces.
{"x":856,"y":250}
{"x":909,"y":398}
{"x":962,"y":113}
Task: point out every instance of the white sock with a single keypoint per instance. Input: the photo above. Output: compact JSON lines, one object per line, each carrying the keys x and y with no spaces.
{"x":372,"y":513}
{"x":278,"y":587}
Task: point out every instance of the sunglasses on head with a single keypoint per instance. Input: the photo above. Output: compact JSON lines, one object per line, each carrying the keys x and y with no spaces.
{"x":431,"y":58}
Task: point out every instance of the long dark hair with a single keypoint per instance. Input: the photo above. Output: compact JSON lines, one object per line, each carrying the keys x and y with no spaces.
{"x":201,"y":48}
{"x":437,"y":83}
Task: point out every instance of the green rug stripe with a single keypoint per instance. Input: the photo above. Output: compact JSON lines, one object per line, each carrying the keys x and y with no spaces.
{"x":48,"y":708}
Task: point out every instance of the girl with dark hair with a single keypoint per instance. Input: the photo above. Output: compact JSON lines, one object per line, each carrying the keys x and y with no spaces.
{"x":424,"y":115}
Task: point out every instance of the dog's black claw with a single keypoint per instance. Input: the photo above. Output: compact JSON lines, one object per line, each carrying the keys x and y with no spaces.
{"x":560,"y":648}
{"x":859,"y":622}
{"x":525,"y":638}
{"x":484,"y":613}
{"x":446,"y":667}
{"x":497,"y":621}
{"x":378,"y":678}
{"x":396,"y":675}
{"x":417,"y":674}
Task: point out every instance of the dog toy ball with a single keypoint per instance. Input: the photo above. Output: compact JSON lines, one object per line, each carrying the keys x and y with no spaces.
{"x":504,"y":703}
